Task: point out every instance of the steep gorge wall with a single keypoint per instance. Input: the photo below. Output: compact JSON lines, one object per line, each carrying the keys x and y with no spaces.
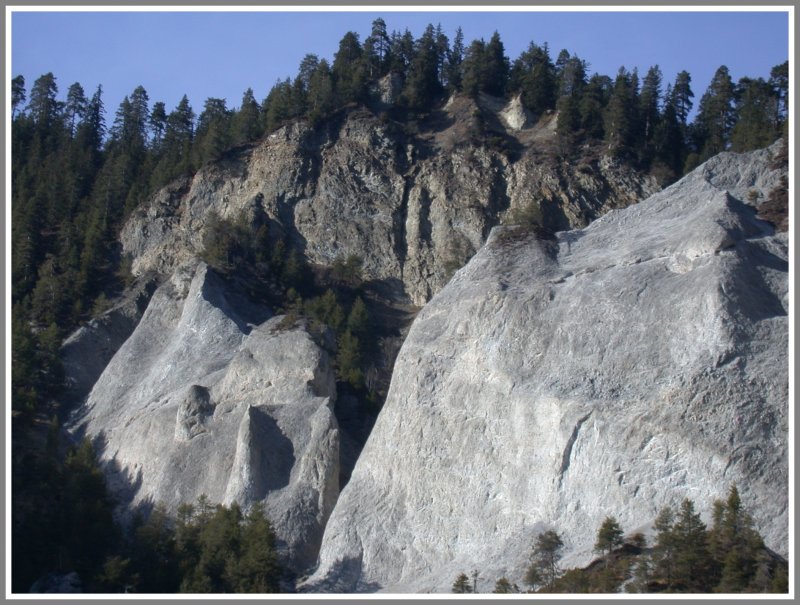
{"x":210,"y":395}
{"x":612,"y":370}
{"x":414,"y":208}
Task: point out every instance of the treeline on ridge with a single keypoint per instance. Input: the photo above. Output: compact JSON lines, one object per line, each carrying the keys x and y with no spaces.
{"x":75,"y":180}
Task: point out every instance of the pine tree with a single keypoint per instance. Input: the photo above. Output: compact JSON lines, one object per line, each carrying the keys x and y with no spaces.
{"x":358,"y":321}
{"x":378,"y":55}
{"x":621,"y":116}
{"x":75,"y":106}
{"x":279,"y":106}
{"x":453,"y":67}
{"x":302,"y":81}
{"x":756,"y":115}
{"x":734,"y":544}
{"x":668,"y":141}
{"x":461,"y":584}
{"x":158,"y":124}
{"x":537,"y":79}
{"x":779,"y":81}
{"x":43,"y":106}
{"x":649,"y":115}
{"x":692,"y":561}
{"x":320,"y":92}
{"x":256,"y":567}
{"x":422,"y":85}
{"x":716,"y":115}
{"x":474,"y":69}
{"x":609,"y":536}
{"x":17,"y":94}
{"x":442,"y":53}
{"x":497,"y":67}
{"x":665,"y":546}
{"x":349,"y":74}
{"x":348,"y":360}
{"x":245,"y":125}
{"x":572,"y":81}
{"x":546,"y":554}
{"x":213,"y":131}
{"x":592,"y":104}
{"x":682,"y":96}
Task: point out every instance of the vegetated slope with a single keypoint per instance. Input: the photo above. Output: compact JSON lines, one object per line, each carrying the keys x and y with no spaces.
{"x":415,"y":201}
{"x":611,"y":370}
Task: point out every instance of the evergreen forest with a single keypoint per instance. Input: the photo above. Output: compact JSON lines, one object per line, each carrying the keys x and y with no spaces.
{"x":79,"y":169}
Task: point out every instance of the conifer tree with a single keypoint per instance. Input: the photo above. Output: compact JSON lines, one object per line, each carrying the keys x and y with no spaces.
{"x":349,"y":74}
{"x":401,"y":51}
{"x":461,"y":584}
{"x":320,"y":92}
{"x":379,"y":54}
{"x":546,"y":554}
{"x":716,"y":115}
{"x":497,"y":67}
{"x":620,"y":116}
{"x":245,"y":125}
{"x":779,"y":81}
{"x":422,"y":84}
{"x":17,"y":94}
{"x":474,"y":68}
{"x":756,"y":115}
{"x":158,"y":124}
{"x":213,"y":131}
{"x":537,"y":79}
{"x":42,"y":105}
{"x":453,"y":67}
{"x":692,"y":561}
{"x":665,"y":546}
{"x":609,"y":536}
{"x":682,"y":96}
{"x":592,"y":104}
{"x":734,"y":543}
{"x":648,"y":114}
{"x":668,"y":142}
{"x":74,"y":107}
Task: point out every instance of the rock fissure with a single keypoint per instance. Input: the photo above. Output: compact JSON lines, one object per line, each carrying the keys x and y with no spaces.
{"x":565,"y":457}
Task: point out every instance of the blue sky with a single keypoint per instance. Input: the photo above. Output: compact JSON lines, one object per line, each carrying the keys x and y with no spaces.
{"x":220,"y":54}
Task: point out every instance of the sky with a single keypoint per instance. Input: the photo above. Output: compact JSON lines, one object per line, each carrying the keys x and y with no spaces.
{"x":221,"y":54}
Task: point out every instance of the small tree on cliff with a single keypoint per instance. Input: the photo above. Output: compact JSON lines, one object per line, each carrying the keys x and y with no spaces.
{"x":609,"y":536}
{"x":546,"y":554}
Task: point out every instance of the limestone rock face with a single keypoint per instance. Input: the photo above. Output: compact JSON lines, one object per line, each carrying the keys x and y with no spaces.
{"x":414,"y":207}
{"x":612,"y":370}
{"x":87,"y":350}
{"x":209,"y":396}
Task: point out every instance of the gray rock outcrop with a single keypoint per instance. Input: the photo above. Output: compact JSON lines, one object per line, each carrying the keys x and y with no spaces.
{"x":611,"y":370}
{"x":88,"y":350}
{"x":210,"y":396}
{"x":414,"y":207}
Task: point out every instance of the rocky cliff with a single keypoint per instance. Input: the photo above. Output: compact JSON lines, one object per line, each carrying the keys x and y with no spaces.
{"x":414,"y":201}
{"x":610,"y":370}
{"x":209,"y":395}
{"x":193,"y":390}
